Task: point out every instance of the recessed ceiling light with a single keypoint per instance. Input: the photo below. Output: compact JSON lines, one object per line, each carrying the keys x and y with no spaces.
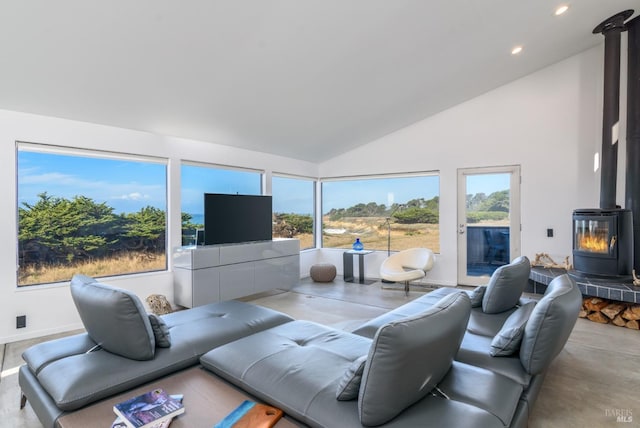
{"x":562,"y":9}
{"x":516,"y":50}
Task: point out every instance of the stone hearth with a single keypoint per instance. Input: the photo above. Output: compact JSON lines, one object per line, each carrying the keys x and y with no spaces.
{"x":604,"y":288}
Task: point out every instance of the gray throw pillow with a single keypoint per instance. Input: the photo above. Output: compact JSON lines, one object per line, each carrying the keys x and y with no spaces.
{"x":160,"y":331}
{"x":506,"y":286}
{"x":409,"y":356}
{"x":507,"y":341}
{"x":476,"y":296}
{"x":114,"y":318}
{"x":349,"y":385}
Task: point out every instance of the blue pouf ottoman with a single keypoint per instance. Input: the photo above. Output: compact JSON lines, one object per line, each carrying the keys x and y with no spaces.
{"x":323,"y":272}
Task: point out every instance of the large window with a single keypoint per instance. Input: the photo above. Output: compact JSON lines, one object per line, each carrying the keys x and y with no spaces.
{"x":399,"y":212}
{"x":94,"y":213}
{"x":293,"y":208}
{"x":198,"y":179}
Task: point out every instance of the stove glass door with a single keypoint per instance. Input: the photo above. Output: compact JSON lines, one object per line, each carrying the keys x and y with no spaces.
{"x":594,"y":235}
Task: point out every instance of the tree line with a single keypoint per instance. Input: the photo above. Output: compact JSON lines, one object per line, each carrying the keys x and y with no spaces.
{"x":479,"y":207}
{"x":482,"y":207}
{"x":57,"y":230}
{"x":416,"y":210}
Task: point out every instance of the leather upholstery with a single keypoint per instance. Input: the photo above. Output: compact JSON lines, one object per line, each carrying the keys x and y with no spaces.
{"x":161,"y":331}
{"x":60,"y":375}
{"x":507,"y":340}
{"x":290,"y":366}
{"x":349,"y":385}
{"x":369,"y":329}
{"x":297,"y":367}
{"x":550,"y":324}
{"x":483,"y":388}
{"x":506,"y":286}
{"x":546,"y":331}
{"x":409,"y":356}
{"x":114,"y":318}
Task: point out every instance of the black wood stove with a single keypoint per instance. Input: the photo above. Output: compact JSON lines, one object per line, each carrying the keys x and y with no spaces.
{"x":603,"y":242}
{"x":604,"y":238}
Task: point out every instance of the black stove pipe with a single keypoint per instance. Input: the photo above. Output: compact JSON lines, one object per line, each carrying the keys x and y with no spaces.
{"x":632,"y":183}
{"x":611,"y":29}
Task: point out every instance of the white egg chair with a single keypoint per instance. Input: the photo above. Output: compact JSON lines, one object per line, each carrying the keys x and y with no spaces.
{"x":407,"y":265}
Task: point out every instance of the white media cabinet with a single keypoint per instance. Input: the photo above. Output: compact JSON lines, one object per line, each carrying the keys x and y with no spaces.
{"x":212,"y":273}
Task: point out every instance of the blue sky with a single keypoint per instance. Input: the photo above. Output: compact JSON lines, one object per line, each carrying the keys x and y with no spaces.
{"x":292,"y":195}
{"x":198,"y":180}
{"x":487,"y":183}
{"x":128,"y":186}
{"x":387,"y":191}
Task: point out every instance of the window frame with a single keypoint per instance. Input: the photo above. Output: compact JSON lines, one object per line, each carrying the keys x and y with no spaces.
{"x":322,"y":180}
{"x":52,"y":149}
{"x":185,"y":162}
{"x":314,"y":208}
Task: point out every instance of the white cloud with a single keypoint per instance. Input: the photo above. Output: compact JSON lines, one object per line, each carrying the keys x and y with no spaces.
{"x":49,"y":178}
{"x":134,"y":196}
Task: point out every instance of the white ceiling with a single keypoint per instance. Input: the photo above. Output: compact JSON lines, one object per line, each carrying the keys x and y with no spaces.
{"x":307,"y":79}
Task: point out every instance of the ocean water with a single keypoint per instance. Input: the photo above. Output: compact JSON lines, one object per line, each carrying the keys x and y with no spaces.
{"x":197,"y":219}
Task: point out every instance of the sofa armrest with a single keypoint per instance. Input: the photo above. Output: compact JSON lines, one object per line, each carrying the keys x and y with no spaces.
{"x":39,"y":356}
{"x":41,"y":403}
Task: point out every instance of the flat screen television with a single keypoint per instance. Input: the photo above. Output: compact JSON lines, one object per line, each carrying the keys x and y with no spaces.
{"x":232,"y":219}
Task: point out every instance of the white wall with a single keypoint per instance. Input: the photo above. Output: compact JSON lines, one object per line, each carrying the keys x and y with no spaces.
{"x":549,"y":123}
{"x":49,"y":309}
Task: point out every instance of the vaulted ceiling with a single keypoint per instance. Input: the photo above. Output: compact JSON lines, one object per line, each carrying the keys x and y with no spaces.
{"x":307,"y":79}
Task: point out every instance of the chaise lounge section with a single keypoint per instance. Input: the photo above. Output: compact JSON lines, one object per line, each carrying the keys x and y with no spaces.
{"x":120,"y":349}
{"x":451,"y":358}
{"x":329,"y":378}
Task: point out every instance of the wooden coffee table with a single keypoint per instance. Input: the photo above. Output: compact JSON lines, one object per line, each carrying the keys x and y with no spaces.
{"x":207,"y":400}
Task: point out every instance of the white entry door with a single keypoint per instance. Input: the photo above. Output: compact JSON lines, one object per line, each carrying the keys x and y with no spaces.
{"x":488,"y":221}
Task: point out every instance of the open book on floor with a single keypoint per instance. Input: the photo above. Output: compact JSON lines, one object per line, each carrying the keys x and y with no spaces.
{"x":153,"y":409}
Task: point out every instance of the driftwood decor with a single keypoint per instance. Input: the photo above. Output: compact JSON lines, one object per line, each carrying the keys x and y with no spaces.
{"x":545,"y":261}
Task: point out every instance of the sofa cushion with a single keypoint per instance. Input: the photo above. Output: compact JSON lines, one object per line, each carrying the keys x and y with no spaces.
{"x":474,"y":350}
{"x":421,"y":304}
{"x":508,"y":339}
{"x":497,"y":394}
{"x":349,"y":384}
{"x":487,"y":324}
{"x":44,"y":353}
{"x":160,"y":331}
{"x":550,"y":324}
{"x":292,"y":366}
{"x":477,"y":295}
{"x":409,"y":356}
{"x":506,"y":285}
{"x":114,"y":318}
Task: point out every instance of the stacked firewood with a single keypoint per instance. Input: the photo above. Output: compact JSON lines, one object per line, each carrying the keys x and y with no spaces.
{"x":611,"y":312}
